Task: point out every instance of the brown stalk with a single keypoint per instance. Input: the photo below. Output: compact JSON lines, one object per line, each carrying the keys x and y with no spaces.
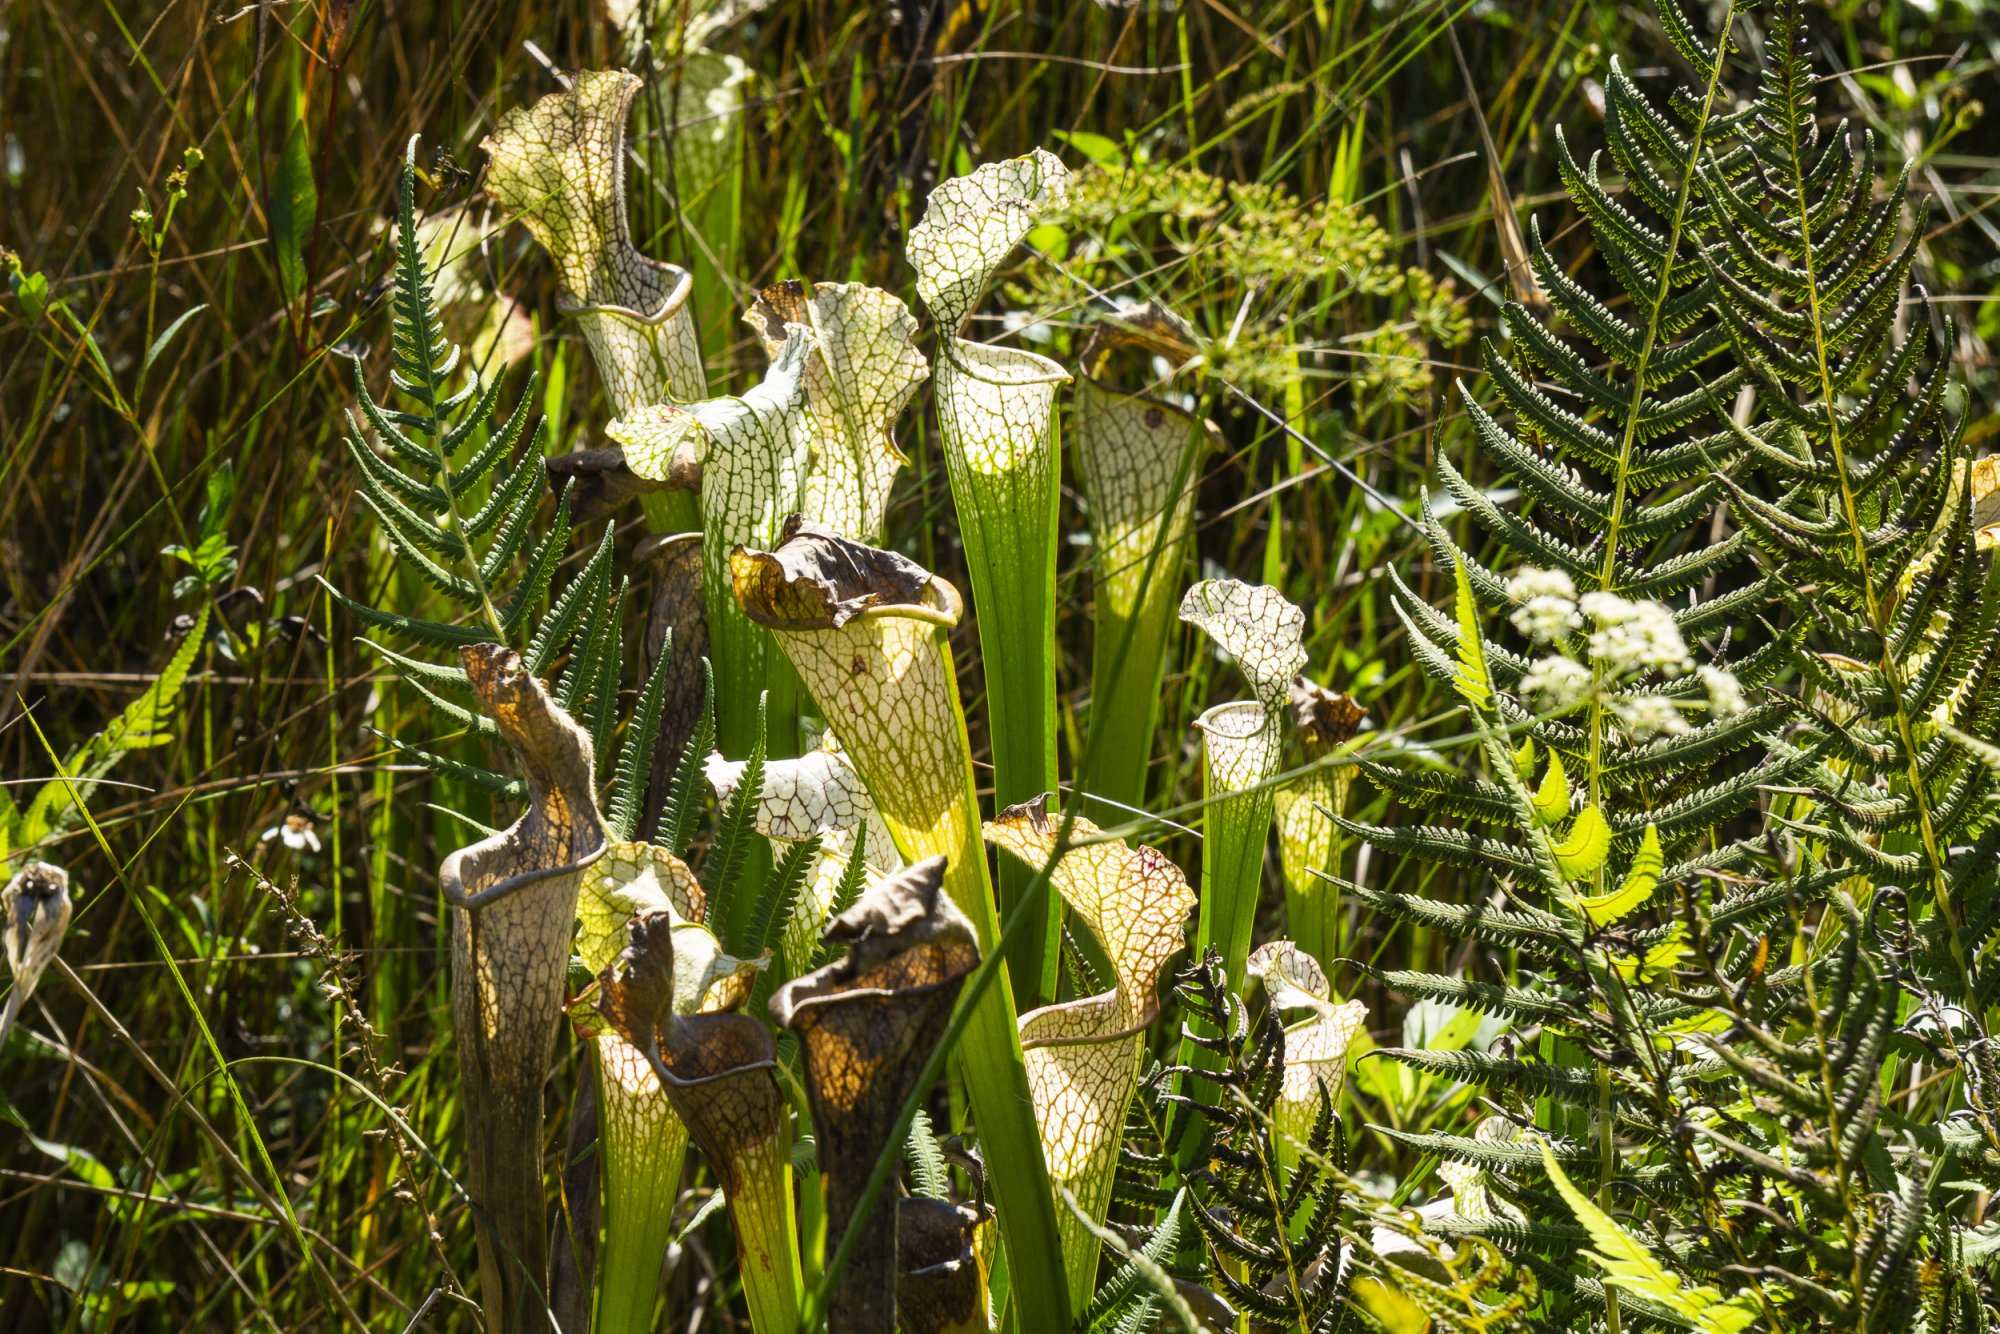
{"x":514,"y":900}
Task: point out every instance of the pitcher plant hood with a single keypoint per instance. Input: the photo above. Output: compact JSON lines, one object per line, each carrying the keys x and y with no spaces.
{"x":973,"y":222}
{"x":863,"y":370}
{"x":559,"y":166}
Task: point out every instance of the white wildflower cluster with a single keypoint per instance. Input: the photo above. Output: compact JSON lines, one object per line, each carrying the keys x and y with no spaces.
{"x":1725,"y":692}
{"x":1627,"y":638}
{"x":1647,"y":716}
{"x":1631,"y":637}
{"x":1545,"y":604}
{"x":1557,"y":683}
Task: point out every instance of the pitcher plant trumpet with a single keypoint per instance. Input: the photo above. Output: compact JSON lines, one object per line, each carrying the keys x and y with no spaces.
{"x":514,"y":898}
{"x":866,"y":630}
{"x":996,"y":418}
{"x":1083,"y":1055}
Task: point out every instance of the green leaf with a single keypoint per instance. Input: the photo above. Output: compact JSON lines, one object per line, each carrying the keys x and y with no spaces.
{"x":1474,"y":681}
{"x":294,"y":209}
{"x":167,"y":335}
{"x":1588,"y":844}
{"x":1641,"y":880}
{"x":32,"y":291}
{"x":1551,"y":799}
{"x":1629,"y":1266}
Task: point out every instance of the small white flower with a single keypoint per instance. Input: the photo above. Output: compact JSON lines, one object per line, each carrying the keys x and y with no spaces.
{"x":1557,"y":683}
{"x":297,"y":831}
{"x":1547,"y":604}
{"x":1633,"y":636}
{"x":1529,"y":582}
{"x":1648,"y":716}
{"x":1024,"y":325}
{"x":1725,"y":692}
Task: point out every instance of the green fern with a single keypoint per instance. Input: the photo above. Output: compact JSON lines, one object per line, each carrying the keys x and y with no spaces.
{"x":456,"y":490}
{"x":1734,"y":342}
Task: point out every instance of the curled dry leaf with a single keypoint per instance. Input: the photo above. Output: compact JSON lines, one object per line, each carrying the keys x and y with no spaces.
{"x":716,"y":1068}
{"x":943,"y":1251}
{"x":866,"y":1024}
{"x":559,"y":166}
{"x":972,"y":223}
{"x":864,"y":368}
{"x":1323,"y":718}
{"x":514,"y":897}
{"x":1315,"y":1047}
{"x":1083,"y":1055}
{"x":603,"y":481}
{"x":34,"y":912}
{"x":818,"y":579}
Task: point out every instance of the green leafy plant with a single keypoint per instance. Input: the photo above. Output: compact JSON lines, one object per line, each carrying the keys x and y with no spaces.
{"x":1749,"y":777}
